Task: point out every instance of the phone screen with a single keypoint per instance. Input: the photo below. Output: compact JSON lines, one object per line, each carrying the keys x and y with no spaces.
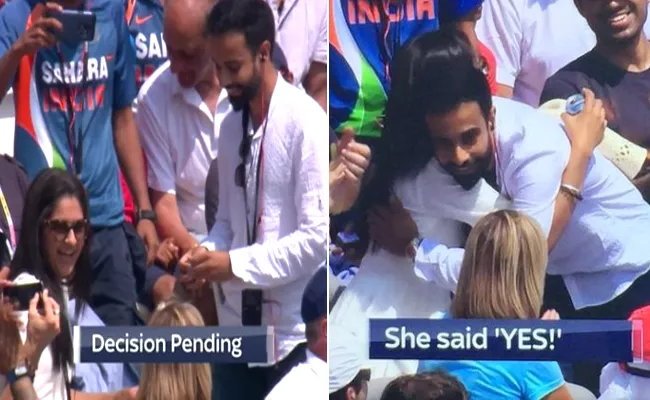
{"x":20,"y":295}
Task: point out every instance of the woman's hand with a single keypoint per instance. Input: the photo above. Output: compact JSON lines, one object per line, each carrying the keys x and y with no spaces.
{"x":551,"y":315}
{"x":41,"y":328}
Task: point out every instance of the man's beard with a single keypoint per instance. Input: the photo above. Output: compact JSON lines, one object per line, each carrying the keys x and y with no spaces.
{"x":468,"y":181}
{"x":248,"y":92}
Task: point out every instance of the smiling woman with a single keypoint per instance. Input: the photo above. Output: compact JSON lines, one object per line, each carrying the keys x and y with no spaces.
{"x":53,"y":248}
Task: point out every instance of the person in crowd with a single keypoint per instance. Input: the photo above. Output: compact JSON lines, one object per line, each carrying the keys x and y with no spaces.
{"x":617,"y":70}
{"x":57,"y":125}
{"x":13,"y":187}
{"x":435,"y":385}
{"x":581,"y":200}
{"x":145,"y":21}
{"x":383,"y":272}
{"x":54,"y":250}
{"x":531,"y":41}
{"x":464,"y":15}
{"x":17,"y":359}
{"x":270,"y":233}
{"x":348,"y":380}
{"x":306,"y":58}
{"x":363,"y":37}
{"x":166,"y":381}
{"x":311,"y":374}
{"x":623,"y":381}
{"x":180,"y":111}
{"x":498,"y":245}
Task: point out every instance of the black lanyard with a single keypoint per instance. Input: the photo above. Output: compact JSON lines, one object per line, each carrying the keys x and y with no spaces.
{"x":75,"y":135}
{"x":252,"y":236}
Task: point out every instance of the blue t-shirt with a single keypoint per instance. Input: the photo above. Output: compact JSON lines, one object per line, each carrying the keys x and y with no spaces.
{"x":42,"y":85}
{"x":145,"y":20}
{"x":503,"y":380}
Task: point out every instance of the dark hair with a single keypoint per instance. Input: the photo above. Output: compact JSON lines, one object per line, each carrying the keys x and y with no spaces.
{"x":433,"y":73}
{"x":436,"y":385}
{"x":50,"y":186}
{"x":356,"y":384}
{"x":253,"y":18}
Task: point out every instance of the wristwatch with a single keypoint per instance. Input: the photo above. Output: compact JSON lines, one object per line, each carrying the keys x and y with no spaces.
{"x":145,"y":214}
{"x":412,"y":248}
{"x":21,"y":371}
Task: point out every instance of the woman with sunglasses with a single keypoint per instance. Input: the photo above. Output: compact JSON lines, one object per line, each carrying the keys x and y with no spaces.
{"x":53,"y":249}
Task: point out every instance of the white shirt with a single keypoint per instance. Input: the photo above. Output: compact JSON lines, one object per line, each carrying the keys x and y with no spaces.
{"x":301,"y":32}
{"x":179,"y":135}
{"x":617,"y":384}
{"x":292,"y":237}
{"x":307,"y":377}
{"x":531,"y":40}
{"x":604,"y":246}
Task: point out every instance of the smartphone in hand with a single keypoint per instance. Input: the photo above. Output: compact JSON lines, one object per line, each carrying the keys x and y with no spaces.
{"x":78,"y":26}
{"x":20,"y":295}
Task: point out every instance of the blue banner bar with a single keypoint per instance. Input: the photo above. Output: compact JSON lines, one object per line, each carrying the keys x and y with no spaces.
{"x":173,"y":344}
{"x":455,"y":339}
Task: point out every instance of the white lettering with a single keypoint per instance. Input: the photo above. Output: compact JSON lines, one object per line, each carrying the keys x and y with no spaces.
{"x":98,"y":343}
{"x":71,"y":73}
{"x":152,"y":47}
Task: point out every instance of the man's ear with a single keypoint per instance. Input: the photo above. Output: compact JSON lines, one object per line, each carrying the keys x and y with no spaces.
{"x":492,"y":119}
{"x":265,"y":51}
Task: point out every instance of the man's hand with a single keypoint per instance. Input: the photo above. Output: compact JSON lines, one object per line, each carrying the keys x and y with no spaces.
{"x":147,"y":231}
{"x":392,"y":227}
{"x":206,"y":266}
{"x":41,"y":34}
{"x":586,"y":129}
{"x":346,"y":172}
{"x":167,"y":253}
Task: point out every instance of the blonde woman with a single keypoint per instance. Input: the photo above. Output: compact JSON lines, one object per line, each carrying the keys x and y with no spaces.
{"x":168,"y":381}
{"x":502,"y":277}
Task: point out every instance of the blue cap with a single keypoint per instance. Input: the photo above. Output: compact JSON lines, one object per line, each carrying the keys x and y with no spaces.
{"x":314,"y":298}
{"x":453,"y":10}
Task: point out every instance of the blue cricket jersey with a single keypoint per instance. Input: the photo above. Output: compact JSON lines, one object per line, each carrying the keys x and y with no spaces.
{"x":48,"y":81}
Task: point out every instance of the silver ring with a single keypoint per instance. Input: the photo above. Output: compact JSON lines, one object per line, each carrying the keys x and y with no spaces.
{"x":57,"y":311}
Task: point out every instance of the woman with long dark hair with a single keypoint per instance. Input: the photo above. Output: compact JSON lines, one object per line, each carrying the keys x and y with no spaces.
{"x":386,"y":285}
{"x":53,"y":249}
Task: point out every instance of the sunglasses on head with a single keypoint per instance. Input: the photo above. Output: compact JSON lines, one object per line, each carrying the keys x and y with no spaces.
{"x":62,"y":228}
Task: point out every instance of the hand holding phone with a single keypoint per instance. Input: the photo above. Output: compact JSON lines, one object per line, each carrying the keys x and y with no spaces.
{"x":43,"y":325}
{"x":77,"y":26}
{"x":21,"y":295}
{"x":42,"y":33}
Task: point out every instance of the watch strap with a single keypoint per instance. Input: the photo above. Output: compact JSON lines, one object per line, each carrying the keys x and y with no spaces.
{"x":19,"y":372}
{"x":146,"y":214}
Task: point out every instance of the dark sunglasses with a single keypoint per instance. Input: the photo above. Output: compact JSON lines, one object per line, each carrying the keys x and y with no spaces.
{"x":62,"y":228}
{"x":240,"y":171}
